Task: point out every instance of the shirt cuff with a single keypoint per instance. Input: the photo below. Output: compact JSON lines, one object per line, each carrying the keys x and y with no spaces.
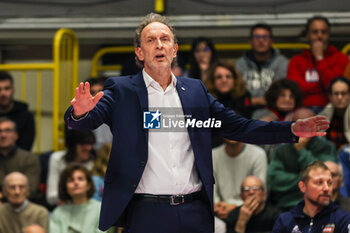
{"x":80,"y":118}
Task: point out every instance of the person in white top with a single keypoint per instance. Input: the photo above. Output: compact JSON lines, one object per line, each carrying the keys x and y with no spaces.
{"x":233,"y":162}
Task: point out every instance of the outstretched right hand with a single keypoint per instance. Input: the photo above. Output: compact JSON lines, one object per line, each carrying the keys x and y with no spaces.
{"x":83,"y":101}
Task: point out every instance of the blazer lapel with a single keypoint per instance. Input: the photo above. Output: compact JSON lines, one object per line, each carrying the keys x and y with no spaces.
{"x":141,"y":91}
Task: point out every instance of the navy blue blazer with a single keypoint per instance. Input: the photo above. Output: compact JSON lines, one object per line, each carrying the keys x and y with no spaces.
{"x":125,"y":98}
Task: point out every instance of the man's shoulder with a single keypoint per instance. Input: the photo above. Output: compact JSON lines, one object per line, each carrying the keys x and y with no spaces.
{"x":22,"y":152}
{"x":37,"y":209}
{"x":255,"y":150}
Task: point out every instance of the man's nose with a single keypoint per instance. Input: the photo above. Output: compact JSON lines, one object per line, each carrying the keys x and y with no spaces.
{"x":159,"y":43}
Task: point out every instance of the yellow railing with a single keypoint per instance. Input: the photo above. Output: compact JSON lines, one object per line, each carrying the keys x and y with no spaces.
{"x":96,"y":67}
{"x":65,"y":79}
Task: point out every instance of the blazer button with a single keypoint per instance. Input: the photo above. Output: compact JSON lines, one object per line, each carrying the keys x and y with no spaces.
{"x":134,"y":186}
{"x":142,"y":163}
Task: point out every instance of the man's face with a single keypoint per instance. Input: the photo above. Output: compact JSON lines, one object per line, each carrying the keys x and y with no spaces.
{"x":336,"y":176}
{"x":16,"y":189}
{"x":261,"y":40}
{"x":340,"y":96}
{"x":8,"y":135}
{"x":223,"y":80}
{"x":157,"y":49}
{"x":252,"y":186}
{"x":318,"y":31}
{"x":318,"y":189}
{"x":6,"y":93}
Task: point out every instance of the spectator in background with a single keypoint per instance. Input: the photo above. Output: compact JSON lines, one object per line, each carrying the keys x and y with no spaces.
{"x":338,"y":112}
{"x":16,"y":111}
{"x":225,"y":84}
{"x":80,"y":213}
{"x":315,"y":68}
{"x":338,"y":179}
{"x":316,"y":213}
{"x":99,"y":170}
{"x":19,"y":212}
{"x":103,"y":134}
{"x":13,"y":158}
{"x":255,"y":215}
{"x":232,"y":163}
{"x":79,"y":150}
{"x":203,"y":55}
{"x":261,"y":65}
{"x":282,"y":97}
{"x":288,"y":160}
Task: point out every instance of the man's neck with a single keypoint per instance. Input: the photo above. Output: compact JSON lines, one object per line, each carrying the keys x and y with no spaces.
{"x":6,"y":108}
{"x":261,"y":57}
{"x":233,"y":150}
{"x":6,"y":151}
{"x":311,"y":210}
{"x":161,"y":76}
{"x":339,"y":111}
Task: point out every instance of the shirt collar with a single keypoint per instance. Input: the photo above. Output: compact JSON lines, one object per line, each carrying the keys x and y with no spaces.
{"x":149,"y":80}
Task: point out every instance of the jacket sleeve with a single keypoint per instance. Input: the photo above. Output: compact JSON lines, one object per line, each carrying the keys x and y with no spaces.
{"x":239,"y":128}
{"x":331,"y":67}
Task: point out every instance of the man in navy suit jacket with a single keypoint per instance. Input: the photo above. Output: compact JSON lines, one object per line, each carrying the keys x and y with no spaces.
{"x":140,"y":157}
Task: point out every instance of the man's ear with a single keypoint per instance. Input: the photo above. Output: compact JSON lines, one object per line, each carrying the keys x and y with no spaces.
{"x":302,"y":186}
{"x":176,"y":47}
{"x":139,"y":53}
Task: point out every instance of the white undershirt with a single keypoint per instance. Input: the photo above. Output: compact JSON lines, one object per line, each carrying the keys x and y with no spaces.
{"x":170,"y":168}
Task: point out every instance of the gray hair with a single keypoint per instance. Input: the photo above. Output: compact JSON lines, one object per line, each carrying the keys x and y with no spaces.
{"x":148,"y":19}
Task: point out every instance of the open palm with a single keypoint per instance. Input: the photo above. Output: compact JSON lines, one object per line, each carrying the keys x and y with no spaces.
{"x":310,"y":127}
{"x":83,"y":101}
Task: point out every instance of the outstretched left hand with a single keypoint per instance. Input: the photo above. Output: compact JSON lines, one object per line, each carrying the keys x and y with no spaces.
{"x":310,"y":127}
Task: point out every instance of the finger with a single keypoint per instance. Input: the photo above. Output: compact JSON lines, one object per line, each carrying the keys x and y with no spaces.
{"x":87,"y":88}
{"x":320,"y":134}
{"x":97,"y":97}
{"x":322,"y":122}
{"x":318,"y":118}
{"x":322,"y":127}
{"x":77,"y":92}
{"x":81,"y":87}
{"x":73,"y":101}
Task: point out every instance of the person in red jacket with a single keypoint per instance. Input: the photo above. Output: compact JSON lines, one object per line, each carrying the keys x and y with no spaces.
{"x":314,"y":68}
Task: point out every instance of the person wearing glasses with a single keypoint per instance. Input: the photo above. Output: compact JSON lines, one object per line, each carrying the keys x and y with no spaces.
{"x":338,"y":112}
{"x":315,"y":68}
{"x":261,"y":65}
{"x":254,"y":215}
{"x":232,"y":163}
{"x":14,"y":158}
{"x":338,"y":180}
{"x":203,"y":55}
